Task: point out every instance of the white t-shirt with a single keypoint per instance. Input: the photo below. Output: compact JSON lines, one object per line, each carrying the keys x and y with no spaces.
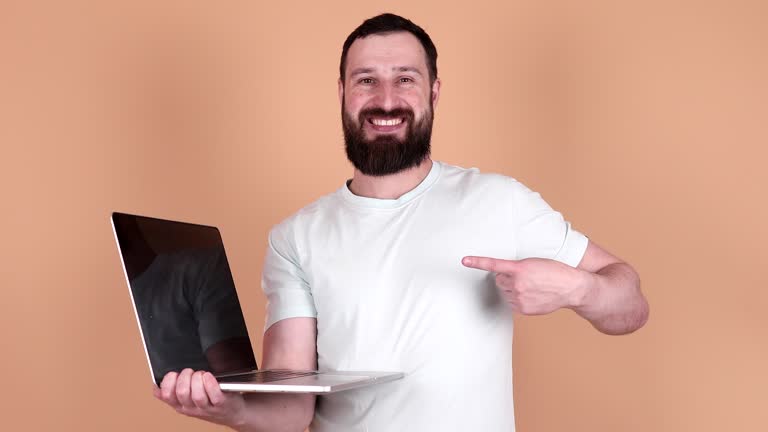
{"x":385,"y":281}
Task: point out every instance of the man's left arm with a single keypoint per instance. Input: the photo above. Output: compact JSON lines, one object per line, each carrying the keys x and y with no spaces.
{"x":602,"y":289}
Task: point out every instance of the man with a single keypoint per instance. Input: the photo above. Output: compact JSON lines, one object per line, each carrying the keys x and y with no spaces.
{"x":413,"y":265}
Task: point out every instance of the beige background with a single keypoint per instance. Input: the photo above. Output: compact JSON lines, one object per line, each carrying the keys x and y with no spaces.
{"x":643,"y":122}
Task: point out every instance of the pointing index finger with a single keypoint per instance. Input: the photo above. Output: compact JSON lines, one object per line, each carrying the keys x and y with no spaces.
{"x":485,"y":263}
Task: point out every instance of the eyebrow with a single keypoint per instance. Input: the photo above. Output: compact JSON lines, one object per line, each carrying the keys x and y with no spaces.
{"x":365,"y":70}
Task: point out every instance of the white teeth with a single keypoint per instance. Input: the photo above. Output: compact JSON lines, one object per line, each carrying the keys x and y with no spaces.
{"x":380,"y":122}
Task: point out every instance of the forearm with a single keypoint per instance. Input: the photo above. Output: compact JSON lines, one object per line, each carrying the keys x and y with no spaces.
{"x":275,"y":412}
{"x":612,"y":300}
{"x":288,"y":344}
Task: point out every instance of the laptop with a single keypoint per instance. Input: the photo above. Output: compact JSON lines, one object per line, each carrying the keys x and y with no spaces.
{"x":189,"y":315}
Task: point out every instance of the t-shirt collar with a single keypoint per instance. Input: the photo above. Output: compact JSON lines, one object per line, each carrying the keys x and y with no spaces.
{"x":409,"y":196}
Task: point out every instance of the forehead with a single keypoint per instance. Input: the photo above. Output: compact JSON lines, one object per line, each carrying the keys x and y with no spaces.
{"x":387,"y":51}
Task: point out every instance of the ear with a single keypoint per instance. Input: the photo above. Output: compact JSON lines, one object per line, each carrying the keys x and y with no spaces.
{"x":341,"y":91}
{"x":435,"y":93}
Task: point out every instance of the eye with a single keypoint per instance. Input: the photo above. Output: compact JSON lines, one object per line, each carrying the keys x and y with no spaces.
{"x":406,"y":80}
{"x":366,"y":81}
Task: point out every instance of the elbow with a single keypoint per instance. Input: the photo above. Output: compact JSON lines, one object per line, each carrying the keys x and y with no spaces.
{"x":643,"y":312}
{"x":279,"y":412}
{"x":308,"y":413}
{"x":305,"y":412}
{"x":629,"y":323}
{"x":299,"y":414}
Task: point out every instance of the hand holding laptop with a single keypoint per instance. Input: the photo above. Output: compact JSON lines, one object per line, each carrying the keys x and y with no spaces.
{"x":197,"y":394}
{"x":187,"y":391}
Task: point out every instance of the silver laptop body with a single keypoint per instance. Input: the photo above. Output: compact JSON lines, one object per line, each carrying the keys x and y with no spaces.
{"x":189,"y":316}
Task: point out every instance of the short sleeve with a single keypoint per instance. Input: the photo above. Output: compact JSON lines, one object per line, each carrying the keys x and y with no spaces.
{"x":284,"y":282}
{"x":542,"y":232}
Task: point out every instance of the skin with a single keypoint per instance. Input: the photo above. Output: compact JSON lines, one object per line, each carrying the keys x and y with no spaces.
{"x":288,"y":344}
{"x":389,"y":71}
{"x":603,"y":289}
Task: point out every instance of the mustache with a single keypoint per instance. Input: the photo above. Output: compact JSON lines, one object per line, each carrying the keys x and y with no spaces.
{"x":405,"y":113}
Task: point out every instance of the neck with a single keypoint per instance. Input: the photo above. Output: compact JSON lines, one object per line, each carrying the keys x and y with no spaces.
{"x":391,"y":186}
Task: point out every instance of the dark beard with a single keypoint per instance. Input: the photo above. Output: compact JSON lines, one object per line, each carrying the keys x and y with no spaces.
{"x":386,"y":154}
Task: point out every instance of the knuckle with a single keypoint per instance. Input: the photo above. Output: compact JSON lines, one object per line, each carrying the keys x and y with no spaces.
{"x":182,"y":391}
{"x":166,"y":393}
{"x":216,"y":399}
{"x":169,"y":380}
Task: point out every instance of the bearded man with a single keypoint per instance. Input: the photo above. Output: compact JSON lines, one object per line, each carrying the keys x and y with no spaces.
{"x":413,"y":265}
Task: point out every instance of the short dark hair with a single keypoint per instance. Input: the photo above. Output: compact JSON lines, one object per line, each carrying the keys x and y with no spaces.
{"x":391,"y":23}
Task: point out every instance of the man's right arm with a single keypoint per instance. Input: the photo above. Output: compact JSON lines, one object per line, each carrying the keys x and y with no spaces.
{"x":288,"y":344}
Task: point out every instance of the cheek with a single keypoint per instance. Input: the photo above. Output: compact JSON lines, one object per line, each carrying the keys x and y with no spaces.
{"x":418,"y":102}
{"x":358,"y":97}
{"x":353,"y":104}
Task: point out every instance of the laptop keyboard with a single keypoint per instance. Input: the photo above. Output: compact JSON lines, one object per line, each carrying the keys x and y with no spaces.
{"x":267,"y":376}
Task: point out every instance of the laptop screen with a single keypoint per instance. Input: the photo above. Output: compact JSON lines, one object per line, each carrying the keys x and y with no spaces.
{"x":184,"y":296}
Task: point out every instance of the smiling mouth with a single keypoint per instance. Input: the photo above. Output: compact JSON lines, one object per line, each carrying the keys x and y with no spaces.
{"x":386,"y":125}
{"x":385,"y":122}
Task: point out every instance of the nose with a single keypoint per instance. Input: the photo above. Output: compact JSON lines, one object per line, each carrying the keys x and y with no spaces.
{"x":386,"y":97}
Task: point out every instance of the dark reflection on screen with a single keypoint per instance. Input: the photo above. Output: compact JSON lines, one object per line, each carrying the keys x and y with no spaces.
{"x":185,"y":297}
